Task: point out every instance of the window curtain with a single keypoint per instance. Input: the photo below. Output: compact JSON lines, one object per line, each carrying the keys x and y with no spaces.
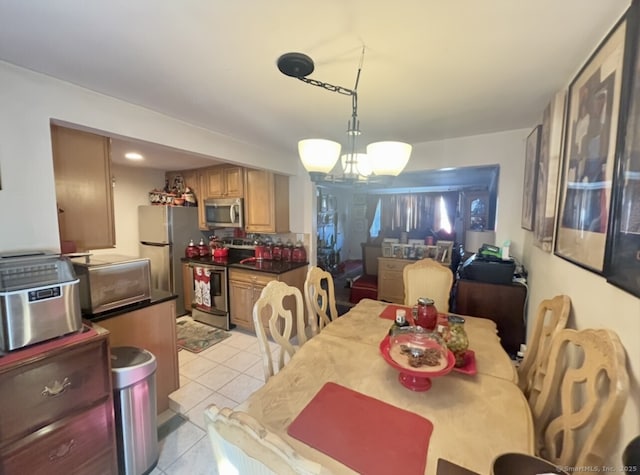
{"x":451,"y":204}
{"x":411,"y":213}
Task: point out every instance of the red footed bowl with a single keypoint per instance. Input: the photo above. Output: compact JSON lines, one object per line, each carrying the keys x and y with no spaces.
{"x":416,"y":379}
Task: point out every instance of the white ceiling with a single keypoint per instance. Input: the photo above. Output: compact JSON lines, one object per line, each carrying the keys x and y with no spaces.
{"x":432,"y":69}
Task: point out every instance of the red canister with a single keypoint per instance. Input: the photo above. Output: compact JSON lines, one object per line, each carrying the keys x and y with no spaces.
{"x":299,"y":254}
{"x":276,"y":251}
{"x":287,"y":252}
{"x":425,"y":314}
{"x":191,"y":250}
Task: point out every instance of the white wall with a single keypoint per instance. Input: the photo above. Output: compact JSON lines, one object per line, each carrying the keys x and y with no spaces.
{"x":28,"y":211}
{"x":30,"y":100}
{"x":505,"y":149}
{"x":130,"y":189}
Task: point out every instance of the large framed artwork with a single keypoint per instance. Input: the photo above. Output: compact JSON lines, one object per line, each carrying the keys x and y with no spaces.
{"x":622,"y":264}
{"x":589,"y":154}
{"x":530,"y":178}
{"x":548,"y":170}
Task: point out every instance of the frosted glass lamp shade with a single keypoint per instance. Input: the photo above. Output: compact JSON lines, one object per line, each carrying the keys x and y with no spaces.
{"x":388,"y":158}
{"x":360,"y":164}
{"x":319,"y":155}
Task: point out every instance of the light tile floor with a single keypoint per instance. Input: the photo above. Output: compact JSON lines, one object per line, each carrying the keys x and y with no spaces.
{"x":225,"y":375}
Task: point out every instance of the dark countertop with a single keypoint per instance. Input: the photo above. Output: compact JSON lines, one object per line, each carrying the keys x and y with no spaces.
{"x":272,"y":267}
{"x":157,"y":296}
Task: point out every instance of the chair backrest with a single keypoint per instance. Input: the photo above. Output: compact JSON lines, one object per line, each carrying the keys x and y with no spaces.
{"x":582,"y":398}
{"x":319,"y":294}
{"x":269,"y":312}
{"x":427,"y":278}
{"x":242,"y":445}
{"x":551,"y":317}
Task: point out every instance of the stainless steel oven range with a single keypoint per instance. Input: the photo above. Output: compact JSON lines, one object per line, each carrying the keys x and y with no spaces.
{"x":210,"y":296}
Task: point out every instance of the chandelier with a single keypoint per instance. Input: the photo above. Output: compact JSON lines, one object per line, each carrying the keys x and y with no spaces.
{"x":320,"y":156}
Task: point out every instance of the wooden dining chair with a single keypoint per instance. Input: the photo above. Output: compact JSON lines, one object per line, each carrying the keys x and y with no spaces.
{"x":551,"y":317}
{"x":319,"y":294}
{"x":279,"y":313}
{"x":242,"y":445}
{"x":582,"y":398}
{"x":427,"y":278}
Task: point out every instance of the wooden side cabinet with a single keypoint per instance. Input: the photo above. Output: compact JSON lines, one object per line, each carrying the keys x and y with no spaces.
{"x":266,"y":202}
{"x":504,"y":304}
{"x":152,"y":328}
{"x":84,"y":190}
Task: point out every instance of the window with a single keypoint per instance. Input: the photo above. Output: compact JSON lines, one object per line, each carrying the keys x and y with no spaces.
{"x":374,"y":230}
{"x":444,"y":223}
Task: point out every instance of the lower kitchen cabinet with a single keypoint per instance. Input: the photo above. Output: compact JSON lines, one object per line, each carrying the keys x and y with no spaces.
{"x":152,"y":328}
{"x":245,"y":287}
{"x":57,"y":410}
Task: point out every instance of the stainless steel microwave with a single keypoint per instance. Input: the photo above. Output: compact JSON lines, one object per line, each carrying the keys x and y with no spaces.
{"x":224,"y":212}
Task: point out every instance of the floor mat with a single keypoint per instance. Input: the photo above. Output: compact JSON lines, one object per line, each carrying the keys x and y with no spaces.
{"x":195,"y":336}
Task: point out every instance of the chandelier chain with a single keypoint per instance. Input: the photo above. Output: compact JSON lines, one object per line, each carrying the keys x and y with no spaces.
{"x":328,"y":87}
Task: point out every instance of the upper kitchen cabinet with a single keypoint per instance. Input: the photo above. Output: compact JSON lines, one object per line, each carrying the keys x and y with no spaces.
{"x":266,"y":202}
{"x":84,"y":191}
{"x":223,"y":182}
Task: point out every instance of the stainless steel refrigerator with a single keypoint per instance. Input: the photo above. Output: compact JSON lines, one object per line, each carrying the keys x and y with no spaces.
{"x":164,"y":233}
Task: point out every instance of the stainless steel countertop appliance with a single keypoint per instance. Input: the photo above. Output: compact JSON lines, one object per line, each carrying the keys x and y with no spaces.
{"x":39,"y":299}
{"x":112,"y":281}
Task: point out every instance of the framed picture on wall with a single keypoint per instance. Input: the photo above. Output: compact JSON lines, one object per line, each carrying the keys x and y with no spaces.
{"x":544,"y":214}
{"x":530,"y":178}
{"x":622,"y":261}
{"x":589,"y":153}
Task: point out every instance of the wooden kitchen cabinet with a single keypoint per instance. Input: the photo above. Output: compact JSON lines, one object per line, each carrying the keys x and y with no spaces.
{"x":84,"y":190}
{"x":504,"y":304}
{"x":390,"y":281}
{"x":223,"y":182}
{"x":152,"y":328}
{"x":187,"y":286}
{"x":266,"y":202}
{"x":245,"y":287}
{"x":57,"y":410}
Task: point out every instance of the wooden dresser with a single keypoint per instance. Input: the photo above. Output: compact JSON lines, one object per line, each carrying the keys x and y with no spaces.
{"x":57,"y":408}
{"x":390,"y":283}
{"x":504,"y":304}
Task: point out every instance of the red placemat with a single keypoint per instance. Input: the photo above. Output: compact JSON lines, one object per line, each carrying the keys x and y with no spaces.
{"x":390,"y":312}
{"x":365,"y":434}
{"x":469,"y":364}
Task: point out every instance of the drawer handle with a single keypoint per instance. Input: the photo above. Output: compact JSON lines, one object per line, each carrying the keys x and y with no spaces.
{"x":57,"y":388}
{"x":62,"y":451}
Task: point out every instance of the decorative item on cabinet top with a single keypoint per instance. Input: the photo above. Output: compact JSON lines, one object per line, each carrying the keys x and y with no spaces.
{"x":175,"y":193}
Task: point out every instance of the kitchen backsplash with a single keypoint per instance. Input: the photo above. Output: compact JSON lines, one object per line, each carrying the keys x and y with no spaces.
{"x":293,"y":237}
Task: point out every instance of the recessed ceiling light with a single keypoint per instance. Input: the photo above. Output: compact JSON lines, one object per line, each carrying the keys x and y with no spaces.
{"x":133,"y":156}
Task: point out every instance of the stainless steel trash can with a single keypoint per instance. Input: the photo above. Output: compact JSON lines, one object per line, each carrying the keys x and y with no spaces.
{"x":134,"y":398}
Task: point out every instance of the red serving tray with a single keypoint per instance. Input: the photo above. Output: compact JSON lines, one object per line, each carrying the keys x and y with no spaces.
{"x":365,"y":434}
{"x":470,"y":364}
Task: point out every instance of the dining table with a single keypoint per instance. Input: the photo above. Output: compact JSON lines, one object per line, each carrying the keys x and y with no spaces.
{"x":338,"y":402}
